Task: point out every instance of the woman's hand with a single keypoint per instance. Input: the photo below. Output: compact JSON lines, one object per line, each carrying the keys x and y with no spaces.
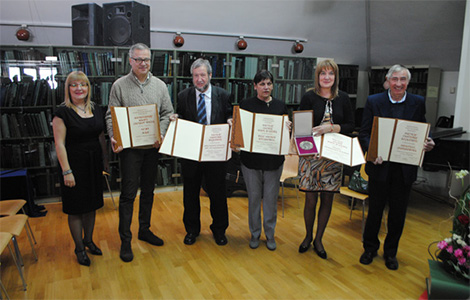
{"x":69,"y":180}
{"x":378,"y":161}
{"x":322,"y":129}
{"x":289,"y":125}
{"x":113,"y":145}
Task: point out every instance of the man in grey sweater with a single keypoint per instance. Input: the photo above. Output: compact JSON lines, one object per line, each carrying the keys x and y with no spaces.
{"x":139,"y":87}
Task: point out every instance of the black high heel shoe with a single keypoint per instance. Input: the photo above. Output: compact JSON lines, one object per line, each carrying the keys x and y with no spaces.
{"x":82,"y":258}
{"x":303,"y":249}
{"x":321,"y":253}
{"x":93,"y":248}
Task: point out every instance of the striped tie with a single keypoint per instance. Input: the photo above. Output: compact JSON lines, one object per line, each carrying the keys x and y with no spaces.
{"x":201,"y":110}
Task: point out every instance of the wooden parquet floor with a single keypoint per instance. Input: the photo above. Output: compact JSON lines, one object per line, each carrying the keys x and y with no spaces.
{"x":207,"y":271}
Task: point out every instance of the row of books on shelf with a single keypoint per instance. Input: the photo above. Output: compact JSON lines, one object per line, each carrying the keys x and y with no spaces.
{"x":417,"y":76}
{"x":348,"y":85}
{"x":218,"y":63}
{"x":19,"y":125}
{"x":162,"y":64}
{"x":299,"y":69}
{"x":289,"y":93}
{"x":36,"y":154}
{"x":240,"y":91}
{"x":90,"y":63}
{"x":348,"y":71}
{"x":29,"y":54}
{"x":99,"y":92}
{"x":25,"y":93}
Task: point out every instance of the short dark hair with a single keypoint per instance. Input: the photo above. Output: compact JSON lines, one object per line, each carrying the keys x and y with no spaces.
{"x":263,"y":75}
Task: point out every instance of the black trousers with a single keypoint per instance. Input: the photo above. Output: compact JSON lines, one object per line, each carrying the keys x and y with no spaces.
{"x":395,"y":193}
{"x":214,"y":177}
{"x":138,"y":169}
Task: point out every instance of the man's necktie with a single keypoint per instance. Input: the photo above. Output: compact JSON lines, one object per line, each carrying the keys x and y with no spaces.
{"x":201,"y":110}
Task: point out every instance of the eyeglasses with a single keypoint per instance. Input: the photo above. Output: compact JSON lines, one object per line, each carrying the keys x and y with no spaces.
{"x":140,"y":60}
{"x":82,"y":85}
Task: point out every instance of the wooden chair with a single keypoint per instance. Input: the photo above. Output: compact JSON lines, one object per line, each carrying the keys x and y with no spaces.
{"x":11,"y":208}
{"x":5,"y":238}
{"x":106,"y":174}
{"x":14,"y":225}
{"x":290,"y":171}
{"x":344,"y":190}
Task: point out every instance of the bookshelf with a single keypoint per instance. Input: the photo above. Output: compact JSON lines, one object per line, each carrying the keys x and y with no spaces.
{"x":425,"y":81}
{"x":348,"y":75}
{"x":33,"y":86}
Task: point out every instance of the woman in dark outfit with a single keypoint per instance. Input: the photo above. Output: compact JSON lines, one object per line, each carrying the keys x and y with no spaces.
{"x":332,"y":113}
{"x":78,"y":127}
{"x":262,"y":171}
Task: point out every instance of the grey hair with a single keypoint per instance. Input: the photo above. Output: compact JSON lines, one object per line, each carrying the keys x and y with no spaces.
{"x":138,"y":46}
{"x":398,"y":68}
{"x":201,"y":62}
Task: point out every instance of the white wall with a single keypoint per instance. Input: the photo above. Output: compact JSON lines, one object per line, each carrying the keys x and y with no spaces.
{"x":447,"y":94}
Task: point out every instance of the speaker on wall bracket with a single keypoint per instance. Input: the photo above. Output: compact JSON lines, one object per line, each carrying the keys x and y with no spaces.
{"x":87,"y":24}
{"x":126,"y":23}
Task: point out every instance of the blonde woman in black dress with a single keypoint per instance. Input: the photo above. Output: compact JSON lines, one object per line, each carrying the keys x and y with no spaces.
{"x":78,"y":127}
{"x":318,"y":176}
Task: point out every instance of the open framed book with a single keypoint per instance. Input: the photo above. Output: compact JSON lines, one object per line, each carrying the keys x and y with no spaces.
{"x":341,"y":148}
{"x":397,"y":140}
{"x":302,"y":121}
{"x":136,"y":126}
{"x":197,"y":142}
{"x":260,"y":133}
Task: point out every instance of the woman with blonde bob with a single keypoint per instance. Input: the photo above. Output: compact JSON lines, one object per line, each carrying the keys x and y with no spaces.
{"x":78,"y":127}
{"x":319,"y":176}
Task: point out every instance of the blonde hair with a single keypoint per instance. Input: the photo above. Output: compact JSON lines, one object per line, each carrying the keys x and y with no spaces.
{"x":77,"y":76}
{"x":324,"y":65}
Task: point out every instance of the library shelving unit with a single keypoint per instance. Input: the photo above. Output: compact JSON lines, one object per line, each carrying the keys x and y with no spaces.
{"x":425,"y":81}
{"x":33,"y":85}
{"x":348,"y":75}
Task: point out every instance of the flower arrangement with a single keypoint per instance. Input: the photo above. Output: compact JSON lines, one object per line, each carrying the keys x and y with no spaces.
{"x":455,"y":250}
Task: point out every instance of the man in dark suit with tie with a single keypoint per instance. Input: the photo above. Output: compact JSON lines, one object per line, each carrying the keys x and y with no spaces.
{"x":389,"y":182}
{"x":205,"y":104}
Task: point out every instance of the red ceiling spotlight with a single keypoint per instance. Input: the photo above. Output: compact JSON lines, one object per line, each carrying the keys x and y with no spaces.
{"x":298,"y":47}
{"x":241,"y":43}
{"x":23,"y":33}
{"x":178,"y":40}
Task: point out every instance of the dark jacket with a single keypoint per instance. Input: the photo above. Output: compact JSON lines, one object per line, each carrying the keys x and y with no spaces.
{"x":380,"y":105}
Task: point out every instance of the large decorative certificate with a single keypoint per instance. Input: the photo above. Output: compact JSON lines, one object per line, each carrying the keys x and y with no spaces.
{"x":342,"y":148}
{"x":303,"y":123}
{"x":136,"y":126}
{"x":397,"y":140}
{"x":260,"y":133}
{"x":197,"y":142}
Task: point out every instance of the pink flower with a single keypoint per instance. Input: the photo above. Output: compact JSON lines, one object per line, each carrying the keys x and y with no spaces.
{"x":466,"y":248}
{"x":441,"y":245}
{"x":458,"y":253}
{"x":450,"y":249}
{"x":462,"y":260}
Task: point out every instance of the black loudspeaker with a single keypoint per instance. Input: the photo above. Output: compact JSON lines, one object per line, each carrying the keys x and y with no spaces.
{"x":126,"y":23}
{"x":87,"y":24}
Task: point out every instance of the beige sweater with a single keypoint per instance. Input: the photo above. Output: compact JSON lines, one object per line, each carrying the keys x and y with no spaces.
{"x":128,"y":91}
